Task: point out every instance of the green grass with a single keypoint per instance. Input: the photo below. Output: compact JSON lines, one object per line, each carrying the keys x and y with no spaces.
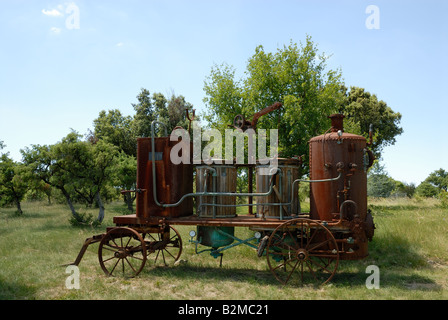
{"x":410,"y":247}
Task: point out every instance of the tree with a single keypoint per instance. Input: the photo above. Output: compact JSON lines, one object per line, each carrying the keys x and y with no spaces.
{"x":363,"y":109}
{"x":87,"y":167}
{"x":427,"y":190}
{"x":125,"y":172}
{"x":79,"y":169}
{"x":407,"y":189}
{"x":379,"y":184}
{"x":296,"y":76}
{"x":144,"y":114}
{"x":116,"y":129}
{"x":436,"y":183}
{"x":42,"y":162}
{"x":13,"y":181}
{"x":439,"y":179}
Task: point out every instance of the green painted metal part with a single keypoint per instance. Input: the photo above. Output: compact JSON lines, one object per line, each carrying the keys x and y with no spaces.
{"x":212,"y":237}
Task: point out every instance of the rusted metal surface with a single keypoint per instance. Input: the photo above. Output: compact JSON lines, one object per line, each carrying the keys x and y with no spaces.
{"x":173,"y":181}
{"x":346,"y":198}
{"x":302,"y":251}
{"x":338,"y":226}
{"x":239,"y":122}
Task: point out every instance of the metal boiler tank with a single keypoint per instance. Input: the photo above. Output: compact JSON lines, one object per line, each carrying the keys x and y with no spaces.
{"x":339,"y":153}
{"x":333,"y":153}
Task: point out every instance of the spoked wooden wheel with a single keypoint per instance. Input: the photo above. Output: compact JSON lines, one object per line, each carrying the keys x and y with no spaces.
{"x":164,"y":248}
{"x":302,"y":251}
{"x":122,"y":252}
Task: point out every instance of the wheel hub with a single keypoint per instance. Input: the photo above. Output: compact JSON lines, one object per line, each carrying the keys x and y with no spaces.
{"x":120,"y":254}
{"x":302,"y":254}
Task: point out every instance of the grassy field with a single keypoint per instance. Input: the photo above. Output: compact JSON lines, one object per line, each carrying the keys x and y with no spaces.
{"x":410,"y":248}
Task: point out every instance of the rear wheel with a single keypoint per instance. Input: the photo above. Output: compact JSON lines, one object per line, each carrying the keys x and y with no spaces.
{"x":164,"y":248}
{"x":302,"y":251}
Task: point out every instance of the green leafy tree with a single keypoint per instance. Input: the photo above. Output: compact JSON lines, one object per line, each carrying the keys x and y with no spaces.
{"x":436,"y":183}
{"x":439,"y":179}
{"x":44,"y":166}
{"x":363,"y":109}
{"x":144,"y":114}
{"x":79,"y":169}
{"x":88,"y":167}
{"x":426,"y":189}
{"x":298,"y":77}
{"x":379,"y":184}
{"x":13,"y":181}
{"x":116,"y":129}
{"x":407,"y":189}
{"x":125,"y":173}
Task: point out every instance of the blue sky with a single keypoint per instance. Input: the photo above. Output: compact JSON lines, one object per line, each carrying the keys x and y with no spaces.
{"x":56,"y":75}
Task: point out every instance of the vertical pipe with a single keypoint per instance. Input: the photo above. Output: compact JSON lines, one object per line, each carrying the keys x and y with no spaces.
{"x":250,"y":177}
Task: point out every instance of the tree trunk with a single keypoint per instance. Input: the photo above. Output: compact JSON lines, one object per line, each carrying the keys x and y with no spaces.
{"x":70,"y":204}
{"x":100,"y":206}
{"x":129,"y":199}
{"x":19,"y":209}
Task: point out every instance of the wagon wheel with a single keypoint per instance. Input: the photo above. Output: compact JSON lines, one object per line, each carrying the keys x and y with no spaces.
{"x":302,"y":251}
{"x":122,"y":252}
{"x":164,"y":248}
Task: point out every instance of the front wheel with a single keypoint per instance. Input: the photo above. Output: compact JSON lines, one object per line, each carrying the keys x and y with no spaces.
{"x":122,"y":252}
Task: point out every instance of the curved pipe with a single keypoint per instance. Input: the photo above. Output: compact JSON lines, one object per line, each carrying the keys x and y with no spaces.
{"x":346,"y":202}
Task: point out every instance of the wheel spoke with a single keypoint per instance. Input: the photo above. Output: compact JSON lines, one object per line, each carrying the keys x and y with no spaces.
{"x":166,"y":246}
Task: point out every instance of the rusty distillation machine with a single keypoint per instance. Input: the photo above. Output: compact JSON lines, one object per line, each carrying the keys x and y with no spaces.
{"x":338,"y":192}
{"x":299,"y":246}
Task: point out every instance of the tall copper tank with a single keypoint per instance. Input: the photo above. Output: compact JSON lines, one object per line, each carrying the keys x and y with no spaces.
{"x":172,"y":180}
{"x":331,"y":154}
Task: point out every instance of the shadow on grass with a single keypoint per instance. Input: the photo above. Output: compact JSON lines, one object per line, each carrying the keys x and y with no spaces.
{"x":213,"y":274}
{"x":399,"y":263}
{"x":15,"y":291}
{"x":388,"y":278}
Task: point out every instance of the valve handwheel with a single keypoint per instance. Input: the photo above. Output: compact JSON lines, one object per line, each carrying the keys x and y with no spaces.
{"x":239,"y":121}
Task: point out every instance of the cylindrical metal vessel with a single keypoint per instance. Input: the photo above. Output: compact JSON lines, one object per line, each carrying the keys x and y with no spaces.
{"x":268,"y":206}
{"x":216,"y":178}
{"x":330,"y":154}
{"x":172,"y":181}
